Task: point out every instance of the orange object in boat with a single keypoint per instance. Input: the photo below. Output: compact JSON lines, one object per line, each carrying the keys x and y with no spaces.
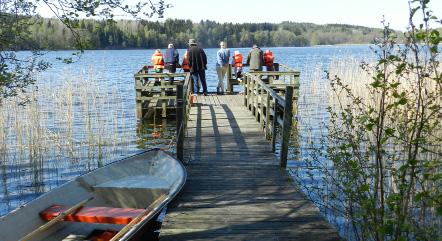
{"x":156,"y":134}
{"x":93,"y":214}
{"x":105,"y":235}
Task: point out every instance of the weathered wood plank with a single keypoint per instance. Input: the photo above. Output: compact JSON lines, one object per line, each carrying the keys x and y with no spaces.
{"x":235,"y":189}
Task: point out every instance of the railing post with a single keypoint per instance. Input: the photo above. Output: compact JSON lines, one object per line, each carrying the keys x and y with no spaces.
{"x":274,"y":124}
{"x":286,"y":126}
{"x":180,"y":122}
{"x":257,"y":101}
{"x":267,"y":124}
{"x":246,"y":89}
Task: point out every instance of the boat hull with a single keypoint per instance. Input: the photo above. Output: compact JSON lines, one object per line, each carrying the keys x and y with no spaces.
{"x":134,"y":182}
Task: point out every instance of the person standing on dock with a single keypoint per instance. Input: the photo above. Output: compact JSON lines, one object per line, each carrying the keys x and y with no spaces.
{"x":255,"y":59}
{"x":222,"y":63}
{"x":171,"y":60}
{"x":197,"y":61}
{"x":158,"y":61}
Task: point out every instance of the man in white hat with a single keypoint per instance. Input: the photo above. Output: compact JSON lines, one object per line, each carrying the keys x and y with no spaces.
{"x":171,"y":60}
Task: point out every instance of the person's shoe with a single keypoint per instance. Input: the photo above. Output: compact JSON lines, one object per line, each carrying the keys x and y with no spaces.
{"x":205,"y":93}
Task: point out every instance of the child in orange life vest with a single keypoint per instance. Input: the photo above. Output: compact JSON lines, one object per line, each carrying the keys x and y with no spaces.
{"x":158,"y":61}
{"x":269,"y":60}
{"x":185,"y":64}
{"x":237,"y":63}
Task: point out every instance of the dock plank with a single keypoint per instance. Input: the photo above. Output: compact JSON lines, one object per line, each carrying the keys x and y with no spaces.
{"x":235,"y":188}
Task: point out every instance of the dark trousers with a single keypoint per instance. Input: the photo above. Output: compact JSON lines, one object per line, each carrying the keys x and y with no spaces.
{"x":172,"y":69}
{"x":201,"y":76}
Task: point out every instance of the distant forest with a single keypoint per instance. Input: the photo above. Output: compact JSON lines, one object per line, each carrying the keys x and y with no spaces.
{"x":129,"y":34}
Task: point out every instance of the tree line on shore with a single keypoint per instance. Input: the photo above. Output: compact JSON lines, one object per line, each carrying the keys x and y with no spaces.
{"x":49,"y":33}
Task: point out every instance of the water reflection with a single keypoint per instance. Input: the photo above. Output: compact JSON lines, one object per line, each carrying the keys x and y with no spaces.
{"x":157,"y":132}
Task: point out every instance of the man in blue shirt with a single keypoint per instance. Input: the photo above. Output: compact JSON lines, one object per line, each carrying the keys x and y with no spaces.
{"x":171,"y":60}
{"x":222,"y":63}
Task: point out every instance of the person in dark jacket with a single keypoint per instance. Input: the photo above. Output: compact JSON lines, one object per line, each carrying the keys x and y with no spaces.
{"x":255,"y":59}
{"x":171,"y":60}
{"x":197,"y":61}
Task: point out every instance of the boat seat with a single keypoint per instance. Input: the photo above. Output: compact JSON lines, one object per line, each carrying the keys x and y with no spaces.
{"x":93,"y":214}
{"x":137,"y":182}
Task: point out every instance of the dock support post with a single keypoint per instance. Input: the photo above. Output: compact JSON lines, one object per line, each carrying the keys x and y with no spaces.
{"x":139,"y":102}
{"x":286,"y":126}
{"x":180,"y":123}
{"x":163,"y":101}
{"x":229,"y":79}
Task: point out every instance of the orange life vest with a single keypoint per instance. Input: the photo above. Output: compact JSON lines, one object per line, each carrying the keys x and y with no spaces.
{"x":157,"y":61}
{"x":237,"y":60}
{"x":185,"y":64}
{"x":268,"y":58}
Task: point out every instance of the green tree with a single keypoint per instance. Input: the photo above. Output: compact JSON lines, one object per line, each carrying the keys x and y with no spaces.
{"x":17,"y":17}
{"x":385,"y":148}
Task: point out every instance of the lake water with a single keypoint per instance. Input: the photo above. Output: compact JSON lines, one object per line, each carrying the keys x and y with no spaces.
{"x":95,"y":139}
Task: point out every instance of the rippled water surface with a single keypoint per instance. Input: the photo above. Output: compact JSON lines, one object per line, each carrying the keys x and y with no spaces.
{"x":85,"y":115}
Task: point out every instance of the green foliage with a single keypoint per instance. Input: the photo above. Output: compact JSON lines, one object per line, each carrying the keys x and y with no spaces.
{"x":386,"y":146}
{"x":121,"y":34}
{"x":22,"y":29}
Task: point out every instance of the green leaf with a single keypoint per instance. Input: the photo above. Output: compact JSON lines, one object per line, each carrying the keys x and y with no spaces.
{"x":421,"y":35}
{"x":389,"y":131}
{"x":369,"y":126}
{"x":376,"y":84}
{"x":394,"y":85}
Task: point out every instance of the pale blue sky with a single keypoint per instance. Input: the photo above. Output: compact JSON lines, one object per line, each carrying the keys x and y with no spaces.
{"x":357,"y":12}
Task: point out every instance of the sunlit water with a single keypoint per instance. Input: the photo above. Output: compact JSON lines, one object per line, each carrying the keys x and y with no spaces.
{"x":113,"y":70}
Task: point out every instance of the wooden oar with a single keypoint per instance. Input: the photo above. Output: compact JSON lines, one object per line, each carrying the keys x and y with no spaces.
{"x":56,"y":219}
{"x":134,"y":221}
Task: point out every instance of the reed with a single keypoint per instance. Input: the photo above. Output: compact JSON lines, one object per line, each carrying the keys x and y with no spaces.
{"x":68,"y":128}
{"x":319,"y":175}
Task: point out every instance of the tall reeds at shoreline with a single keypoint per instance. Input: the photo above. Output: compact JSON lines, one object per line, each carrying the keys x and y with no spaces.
{"x":341,"y":182}
{"x":64,"y":131}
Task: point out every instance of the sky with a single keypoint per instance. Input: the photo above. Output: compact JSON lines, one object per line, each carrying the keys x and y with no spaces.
{"x":356,"y":12}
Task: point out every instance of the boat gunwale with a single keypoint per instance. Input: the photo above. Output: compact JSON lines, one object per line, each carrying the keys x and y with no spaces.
{"x":160,"y":207}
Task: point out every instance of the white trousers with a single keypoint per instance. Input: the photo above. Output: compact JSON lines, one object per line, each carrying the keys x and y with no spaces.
{"x":221,"y":71}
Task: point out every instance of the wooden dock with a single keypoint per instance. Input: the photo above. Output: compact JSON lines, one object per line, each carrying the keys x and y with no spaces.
{"x":236,"y":189}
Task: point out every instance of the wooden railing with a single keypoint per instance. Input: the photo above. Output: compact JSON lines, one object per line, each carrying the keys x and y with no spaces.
{"x":269,"y":95}
{"x":272,"y":104}
{"x":156,"y":91}
{"x":286,"y":75}
{"x":182,"y":114}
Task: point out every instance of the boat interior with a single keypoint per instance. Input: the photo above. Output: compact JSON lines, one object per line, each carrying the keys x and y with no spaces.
{"x":114,"y":194}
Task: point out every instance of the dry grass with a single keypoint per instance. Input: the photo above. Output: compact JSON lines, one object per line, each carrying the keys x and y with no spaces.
{"x":316,"y":96}
{"x":64,"y":131}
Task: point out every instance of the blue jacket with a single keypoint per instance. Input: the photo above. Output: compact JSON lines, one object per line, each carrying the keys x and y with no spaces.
{"x":171,"y":56}
{"x":222,"y":57}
